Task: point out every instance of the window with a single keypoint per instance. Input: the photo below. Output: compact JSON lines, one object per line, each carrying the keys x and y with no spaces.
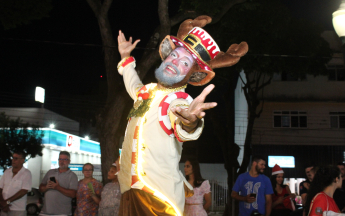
{"x":290,"y":119}
{"x":336,"y":72}
{"x":337,"y":119}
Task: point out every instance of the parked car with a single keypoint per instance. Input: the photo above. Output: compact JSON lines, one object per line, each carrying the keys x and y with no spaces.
{"x":35,"y":202}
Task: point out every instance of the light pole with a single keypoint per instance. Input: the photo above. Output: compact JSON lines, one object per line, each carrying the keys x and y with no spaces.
{"x":339,"y":25}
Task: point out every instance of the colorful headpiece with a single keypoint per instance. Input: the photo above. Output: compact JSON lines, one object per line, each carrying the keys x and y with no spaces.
{"x":203,"y":48}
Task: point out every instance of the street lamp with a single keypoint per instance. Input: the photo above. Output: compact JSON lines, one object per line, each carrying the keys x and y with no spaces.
{"x":339,"y":24}
{"x":40,"y":95}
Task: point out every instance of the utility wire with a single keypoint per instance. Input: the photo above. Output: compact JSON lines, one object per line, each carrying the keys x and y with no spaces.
{"x":143,"y":48}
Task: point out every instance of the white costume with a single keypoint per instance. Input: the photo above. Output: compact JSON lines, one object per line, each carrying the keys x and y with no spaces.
{"x":160,"y":152}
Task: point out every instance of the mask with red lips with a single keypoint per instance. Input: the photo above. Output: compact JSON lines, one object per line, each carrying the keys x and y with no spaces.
{"x":175,"y":67}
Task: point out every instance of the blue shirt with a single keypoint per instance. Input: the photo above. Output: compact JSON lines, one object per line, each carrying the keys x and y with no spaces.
{"x":261,"y":186}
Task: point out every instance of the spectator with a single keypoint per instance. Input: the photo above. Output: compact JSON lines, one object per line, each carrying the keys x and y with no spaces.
{"x":194,"y":205}
{"x":59,"y":187}
{"x":281,"y":192}
{"x":339,"y":194}
{"x":14,"y":185}
{"x":255,"y":188}
{"x":319,"y":199}
{"x":111,"y":195}
{"x":304,"y":185}
{"x":87,"y":198}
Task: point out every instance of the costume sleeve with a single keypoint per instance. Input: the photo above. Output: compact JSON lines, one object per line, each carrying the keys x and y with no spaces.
{"x":73,"y":182}
{"x":205,"y":187}
{"x":181,"y":134}
{"x":237,"y":185}
{"x":27,"y":183}
{"x":131,"y":80}
{"x":269,"y":189}
{"x":319,"y":205}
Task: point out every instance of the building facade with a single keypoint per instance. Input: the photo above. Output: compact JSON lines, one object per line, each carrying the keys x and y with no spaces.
{"x":304,"y":118}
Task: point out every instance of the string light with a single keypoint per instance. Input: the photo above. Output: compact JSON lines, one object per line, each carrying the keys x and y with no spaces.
{"x":141,"y":141}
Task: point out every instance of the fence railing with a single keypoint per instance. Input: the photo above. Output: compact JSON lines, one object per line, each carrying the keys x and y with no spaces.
{"x":219,"y":190}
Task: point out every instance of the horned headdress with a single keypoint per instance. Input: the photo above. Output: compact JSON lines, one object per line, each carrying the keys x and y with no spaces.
{"x":203,"y":48}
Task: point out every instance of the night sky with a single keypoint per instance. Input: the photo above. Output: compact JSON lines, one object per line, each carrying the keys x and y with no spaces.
{"x":76,"y":69}
{"x":38,"y":54}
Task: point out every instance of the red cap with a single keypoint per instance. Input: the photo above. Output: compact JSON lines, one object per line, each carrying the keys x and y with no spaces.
{"x":276,"y":170}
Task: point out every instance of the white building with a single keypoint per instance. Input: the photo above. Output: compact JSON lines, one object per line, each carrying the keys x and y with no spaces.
{"x":82,"y":150}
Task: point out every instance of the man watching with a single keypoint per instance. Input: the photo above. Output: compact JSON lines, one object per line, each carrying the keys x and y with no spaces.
{"x":14,"y":185}
{"x":339,"y":194}
{"x":60,"y":186}
{"x":304,"y":186}
{"x":254,"y":190}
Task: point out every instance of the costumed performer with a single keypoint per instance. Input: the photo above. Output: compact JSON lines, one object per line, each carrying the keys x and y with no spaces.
{"x":164,"y":116}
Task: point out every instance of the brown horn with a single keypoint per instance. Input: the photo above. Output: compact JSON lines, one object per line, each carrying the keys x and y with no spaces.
{"x":231,"y":57}
{"x":189,"y":24}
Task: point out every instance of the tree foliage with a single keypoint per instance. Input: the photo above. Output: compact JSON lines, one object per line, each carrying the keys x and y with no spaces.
{"x":111,"y":121}
{"x":277,"y":42}
{"x":18,"y":12}
{"x":18,"y":136}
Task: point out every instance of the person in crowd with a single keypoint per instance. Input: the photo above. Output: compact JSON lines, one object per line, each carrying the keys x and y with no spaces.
{"x":281,"y":192}
{"x":88,"y":194}
{"x":339,"y":194}
{"x":320,"y":194}
{"x":304,"y":185}
{"x":59,"y":187}
{"x":256,"y":190}
{"x":14,"y":186}
{"x":111,"y":194}
{"x":195,"y":205}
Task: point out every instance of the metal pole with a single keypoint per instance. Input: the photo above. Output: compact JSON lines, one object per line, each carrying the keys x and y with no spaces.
{"x":232,"y":200}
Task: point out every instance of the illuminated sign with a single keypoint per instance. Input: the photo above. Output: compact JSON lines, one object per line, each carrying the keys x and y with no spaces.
{"x":282,"y":161}
{"x":72,"y":143}
{"x":39,"y":94}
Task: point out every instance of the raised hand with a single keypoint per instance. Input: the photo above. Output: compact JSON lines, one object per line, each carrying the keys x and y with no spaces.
{"x":191,"y":117}
{"x":125,"y":47}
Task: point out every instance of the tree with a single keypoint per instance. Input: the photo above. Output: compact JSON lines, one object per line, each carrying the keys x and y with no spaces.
{"x":111,"y":121}
{"x":277,"y":43}
{"x":17,"y":12}
{"x":18,"y":136}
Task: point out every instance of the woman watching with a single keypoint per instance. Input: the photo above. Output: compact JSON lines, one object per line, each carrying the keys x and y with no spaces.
{"x":280,"y":193}
{"x":195,"y":205}
{"x":320,"y":194}
{"x":88,"y":194}
{"x":111,"y":195}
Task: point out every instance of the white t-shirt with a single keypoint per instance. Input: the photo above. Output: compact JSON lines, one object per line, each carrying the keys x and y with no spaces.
{"x":11,"y":185}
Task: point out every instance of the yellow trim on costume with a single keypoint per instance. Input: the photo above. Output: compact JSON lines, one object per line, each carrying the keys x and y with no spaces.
{"x":140,"y":145}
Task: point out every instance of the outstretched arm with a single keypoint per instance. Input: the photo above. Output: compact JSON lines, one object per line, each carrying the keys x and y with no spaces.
{"x":190,"y":118}
{"x":125,"y":47}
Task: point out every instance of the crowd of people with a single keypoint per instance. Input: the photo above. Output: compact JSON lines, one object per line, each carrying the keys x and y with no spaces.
{"x":322,"y":192}
{"x":61,"y":185}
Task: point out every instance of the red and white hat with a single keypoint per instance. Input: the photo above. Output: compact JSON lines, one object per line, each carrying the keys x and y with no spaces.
{"x":200,"y":45}
{"x":276,"y":170}
{"x":203,"y":48}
